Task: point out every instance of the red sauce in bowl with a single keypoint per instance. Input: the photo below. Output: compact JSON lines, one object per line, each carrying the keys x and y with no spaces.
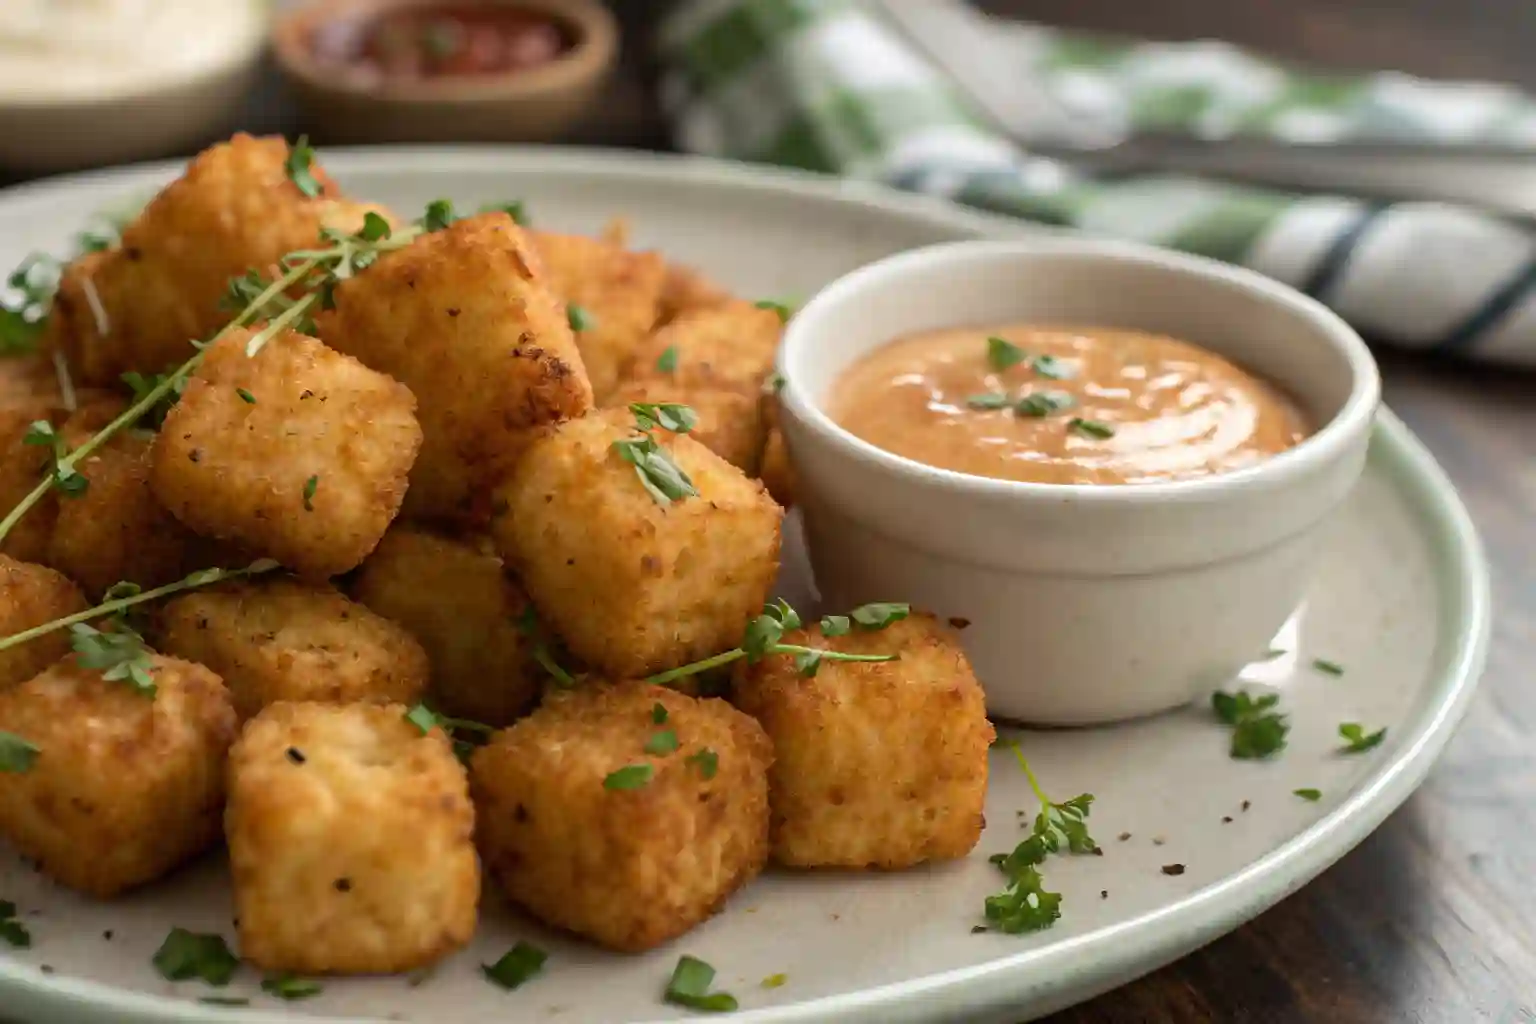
{"x":444,"y":41}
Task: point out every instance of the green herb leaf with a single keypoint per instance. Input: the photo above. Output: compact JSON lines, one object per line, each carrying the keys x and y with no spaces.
{"x":1357,"y":740}
{"x":423,"y":718}
{"x":1258,"y":731}
{"x":662,"y":478}
{"x":439,"y":215}
{"x":689,"y":986}
{"x":1233,"y":708}
{"x":1002,"y":353}
{"x":1091,"y":428}
{"x":141,"y":385}
{"x":992,"y":400}
{"x":707,"y":760}
{"x":633,"y":776}
{"x":246,"y":396}
{"x":835,"y":625}
{"x":120,"y":655}
{"x":1313,"y":795}
{"x":667,"y":361}
{"x":1052,"y":367}
{"x":773,"y":383}
{"x":300,"y":168}
{"x":186,"y":955}
{"x":784,"y":311}
{"x":17,"y":756}
{"x":375,"y":228}
{"x":287,"y":986}
{"x":658,"y":714}
{"x":310,"y":486}
{"x":224,"y":1001}
{"x":1065,"y":824}
{"x":516,"y":966}
{"x":775,"y":981}
{"x":807,"y":662}
{"x":579,"y":318}
{"x":661,"y":743}
{"x":679,"y":419}
{"x":11,"y":930}
{"x":513,"y":208}
{"x":1043,"y":403}
{"x":879,"y":614}
{"x":1327,"y":667}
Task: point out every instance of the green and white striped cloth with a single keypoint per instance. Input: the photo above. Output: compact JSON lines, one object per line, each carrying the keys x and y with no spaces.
{"x":825,"y":85}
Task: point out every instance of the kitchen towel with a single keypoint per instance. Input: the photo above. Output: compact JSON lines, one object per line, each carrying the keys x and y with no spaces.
{"x":827,"y":85}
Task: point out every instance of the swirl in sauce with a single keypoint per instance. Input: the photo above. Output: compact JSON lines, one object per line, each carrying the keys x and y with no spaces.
{"x":1143,"y":407}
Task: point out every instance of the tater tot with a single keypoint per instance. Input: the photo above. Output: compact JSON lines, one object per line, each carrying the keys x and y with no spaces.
{"x":630,"y":585}
{"x":685,"y":289}
{"x":22,"y":466}
{"x":467,"y":611}
{"x":349,"y":841}
{"x":125,"y":786}
{"x":619,"y":296}
{"x":139,"y":305}
{"x":274,"y":640}
{"x":776,"y":471}
{"x":298,"y":453}
{"x":633,"y":859}
{"x":465,"y":318}
{"x":31,"y":595}
{"x":731,"y":345}
{"x":730,"y":419}
{"x":877,"y":764}
{"x":25,"y":380}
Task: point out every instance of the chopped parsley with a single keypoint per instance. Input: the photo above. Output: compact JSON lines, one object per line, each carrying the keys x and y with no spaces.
{"x":632,"y":776}
{"x":375,"y":228}
{"x":706,"y":760}
{"x":246,"y":396}
{"x":1258,"y":731}
{"x":775,"y":981}
{"x":186,"y":955}
{"x":879,"y":614}
{"x":513,"y":208}
{"x":16,"y":754}
{"x":310,"y":486}
{"x":991,"y":400}
{"x":1043,"y":403}
{"x":689,"y":986}
{"x":11,"y":930}
{"x":661,"y":743}
{"x":667,"y":361}
{"x":679,"y":419}
{"x":287,"y":986}
{"x":659,"y":713}
{"x":1312,"y":795}
{"x":224,"y":1001}
{"x":300,"y":168}
{"x":120,"y":655}
{"x":1327,"y":667}
{"x":516,"y":966}
{"x":439,"y":215}
{"x":1357,"y":740}
{"x":1091,"y":428}
{"x":662,"y":478}
{"x":579,"y":318}
{"x":1002,"y":353}
{"x":784,"y":311}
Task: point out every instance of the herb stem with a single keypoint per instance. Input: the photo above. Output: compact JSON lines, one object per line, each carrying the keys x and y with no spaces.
{"x":545,"y":661}
{"x":192,"y":582}
{"x":1029,"y":773}
{"x":829,"y":655}
{"x":683,"y":671}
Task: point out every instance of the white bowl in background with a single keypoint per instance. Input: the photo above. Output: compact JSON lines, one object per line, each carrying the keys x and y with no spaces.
{"x":1085,"y":603}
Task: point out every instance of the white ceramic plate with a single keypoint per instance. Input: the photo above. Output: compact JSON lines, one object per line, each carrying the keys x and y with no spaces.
{"x":1402,"y":603}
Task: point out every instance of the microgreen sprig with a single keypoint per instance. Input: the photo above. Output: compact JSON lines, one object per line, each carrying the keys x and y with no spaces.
{"x":660,"y":475}
{"x":425,"y":719}
{"x":1258,"y":730}
{"x":119,"y":654}
{"x":528,"y":625}
{"x":62,"y":474}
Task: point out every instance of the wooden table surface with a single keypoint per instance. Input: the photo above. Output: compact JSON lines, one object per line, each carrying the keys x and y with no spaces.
{"x":1433,"y":918}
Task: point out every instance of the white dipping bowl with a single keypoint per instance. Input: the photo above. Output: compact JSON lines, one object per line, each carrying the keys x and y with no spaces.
{"x":1085,"y":603}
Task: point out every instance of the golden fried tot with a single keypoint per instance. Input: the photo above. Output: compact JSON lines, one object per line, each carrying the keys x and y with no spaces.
{"x":24,"y":380}
{"x":22,"y":466}
{"x":468,"y":613}
{"x":298,"y":453}
{"x":466,"y":319}
{"x":730,"y":419}
{"x":684,"y":289}
{"x":139,"y":306}
{"x":625,"y":813}
{"x":31,"y":595}
{"x":617,"y":295}
{"x":350,"y":843}
{"x":278,"y":640}
{"x":877,"y":764}
{"x":125,"y":786}
{"x":116,"y":529}
{"x":776,"y":471}
{"x":630,"y":585}
{"x":727,"y":346}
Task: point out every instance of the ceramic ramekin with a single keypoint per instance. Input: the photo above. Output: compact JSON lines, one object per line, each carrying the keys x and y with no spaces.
{"x":1085,"y":604}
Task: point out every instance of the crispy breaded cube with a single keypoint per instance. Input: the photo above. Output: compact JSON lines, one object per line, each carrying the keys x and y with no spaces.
{"x":466,"y":610}
{"x":877,"y":764}
{"x":125,"y":787}
{"x":117,"y":529}
{"x":298,"y":453}
{"x":350,"y":841}
{"x":25,"y":380}
{"x":730,"y":418}
{"x":279,"y":640}
{"x":31,"y":595}
{"x":139,"y":305}
{"x":21,"y":467}
{"x":776,"y":471}
{"x":633,"y":859}
{"x":618,"y":290}
{"x":726,"y":346}
{"x":684,"y":289}
{"x":466,"y":319}
{"x":630,"y":585}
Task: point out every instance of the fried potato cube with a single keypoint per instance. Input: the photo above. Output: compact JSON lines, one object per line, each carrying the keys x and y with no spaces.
{"x":279,"y":640}
{"x":684,"y":289}
{"x":22,"y":465}
{"x":877,"y":764}
{"x":25,"y":380}
{"x":618,"y":292}
{"x":298,"y":453}
{"x":465,"y":318}
{"x":125,"y":787}
{"x":466,"y":610}
{"x":579,"y":824}
{"x":350,"y":841}
{"x":235,"y":209}
{"x":116,"y":529}
{"x":776,"y":471}
{"x":630,"y":585}
{"x":727,"y":346}
{"x":31,"y":595}
{"x":730,"y":419}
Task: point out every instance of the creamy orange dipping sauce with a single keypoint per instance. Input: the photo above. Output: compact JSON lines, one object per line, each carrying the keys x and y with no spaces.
{"x":1069,"y":405}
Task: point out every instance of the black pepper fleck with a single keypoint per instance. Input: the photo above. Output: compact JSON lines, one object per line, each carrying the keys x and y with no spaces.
{"x":1124,"y":836}
{"x":1226,"y":819}
{"x":1173,"y":869}
{"x":1247,"y":804}
{"x":343,"y":885}
{"x":1103,"y":894}
{"x":977,"y":929}
{"x":107,"y":934}
{"x":296,"y":755}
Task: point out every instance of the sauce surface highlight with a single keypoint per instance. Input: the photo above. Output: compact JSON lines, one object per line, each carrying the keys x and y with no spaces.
{"x":1064,"y":405}
{"x":443,"y":41}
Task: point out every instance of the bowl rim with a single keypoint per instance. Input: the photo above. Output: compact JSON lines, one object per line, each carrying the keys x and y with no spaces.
{"x":592,"y":53}
{"x":1334,"y":440}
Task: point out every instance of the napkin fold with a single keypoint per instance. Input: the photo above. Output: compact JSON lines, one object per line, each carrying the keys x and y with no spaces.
{"x":826,"y":85}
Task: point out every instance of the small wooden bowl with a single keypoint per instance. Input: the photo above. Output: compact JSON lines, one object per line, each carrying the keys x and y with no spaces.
{"x":526,"y":105}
